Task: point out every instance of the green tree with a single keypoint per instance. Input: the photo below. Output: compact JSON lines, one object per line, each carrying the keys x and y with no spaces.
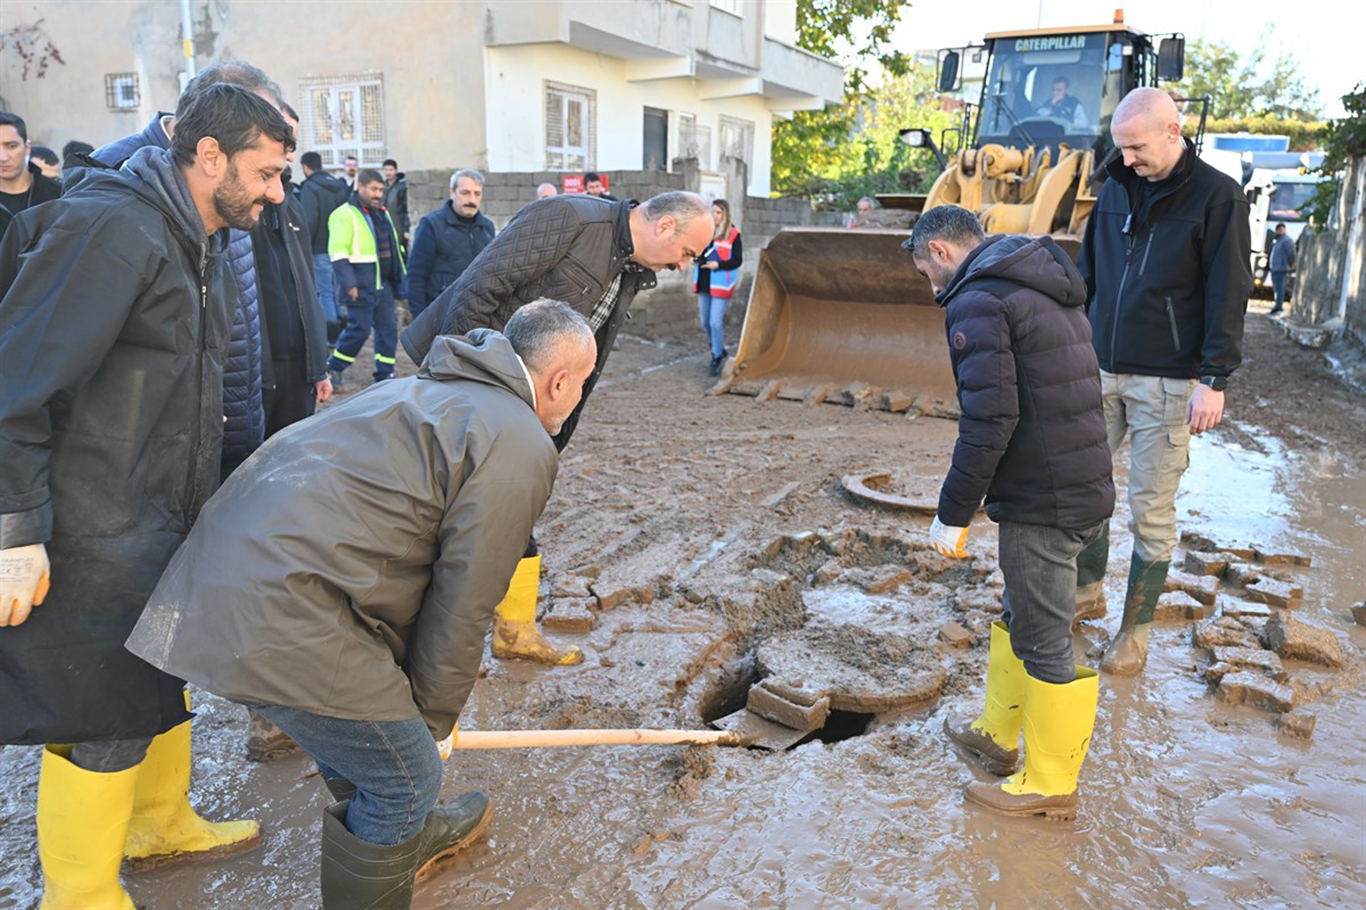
{"x":1243,"y":86}
{"x":1344,"y":141}
{"x":814,"y":143}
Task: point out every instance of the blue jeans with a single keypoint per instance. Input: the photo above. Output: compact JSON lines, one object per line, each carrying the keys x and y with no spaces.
{"x":1039,"y":564}
{"x":372,"y":309}
{"x":322,"y":280}
{"x":1278,"y":284}
{"x":394,"y":764}
{"x":712,"y":310}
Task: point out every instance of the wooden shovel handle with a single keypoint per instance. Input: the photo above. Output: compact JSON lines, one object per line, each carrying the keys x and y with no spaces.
{"x":531,"y":739}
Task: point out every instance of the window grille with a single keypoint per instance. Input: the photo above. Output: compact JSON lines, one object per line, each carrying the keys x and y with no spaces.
{"x":570,"y":127}
{"x":344,"y":115}
{"x":121,"y":91}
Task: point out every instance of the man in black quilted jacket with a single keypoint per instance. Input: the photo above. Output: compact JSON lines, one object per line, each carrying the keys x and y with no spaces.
{"x":596,"y":255}
{"x":1031,"y":441}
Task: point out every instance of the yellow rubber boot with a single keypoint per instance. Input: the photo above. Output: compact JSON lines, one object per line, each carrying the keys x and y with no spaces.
{"x":515,"y":634}
{"x":994,"y":737}
{"x":1058,"y":721}
{"x":82,"y":823}
{"x":164,"y":828}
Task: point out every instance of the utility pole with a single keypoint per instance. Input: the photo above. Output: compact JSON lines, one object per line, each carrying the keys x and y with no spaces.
{"x":187,"y":30}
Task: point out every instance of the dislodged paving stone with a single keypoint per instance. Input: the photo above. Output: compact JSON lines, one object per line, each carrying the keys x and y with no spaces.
{"x":955,"y":635}
{"x":1254,"y":659}
{"x":1178,"y":606}
{"x":1241,"y":573}
{"x":1222,"y":631}
{"x":1198,"y":563}
{"x":571,"y":615}
{"x":1359,"y":613}
{"x":1251,"y":688}
{"x":878,"y":579}
{"x":769,"y":705}
{"x":1232,"y":607}
{"x":1297,"y":723}
{"x":1281,"y":559}
{"x":1308,"y":691}
{"x":828,"y":572}
{"x":1274,"y":592}
{"x":1193,"y":540}
{"x":1291,"y":637}
{"x":573,"y":587}
{"x":1203,"y":588}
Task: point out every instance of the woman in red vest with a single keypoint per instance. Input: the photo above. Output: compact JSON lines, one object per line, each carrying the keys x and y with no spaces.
{"x":718,"y":272}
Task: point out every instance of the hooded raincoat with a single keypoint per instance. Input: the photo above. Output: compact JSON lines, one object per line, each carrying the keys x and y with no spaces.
{"x":113,"y":327}
{"x":350,"y":567}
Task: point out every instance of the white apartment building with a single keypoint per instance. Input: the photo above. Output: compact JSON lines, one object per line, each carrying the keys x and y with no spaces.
{"x":503,"y":85}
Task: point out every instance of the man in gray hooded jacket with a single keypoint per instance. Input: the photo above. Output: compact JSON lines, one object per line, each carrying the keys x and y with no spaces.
{"x":342,"y":582}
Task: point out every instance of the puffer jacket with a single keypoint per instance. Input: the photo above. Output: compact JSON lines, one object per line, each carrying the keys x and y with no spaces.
{"x":320,"y":194}
{"x":1031,"y":438}
{"x":243,"y":377}
{"x":382,"y":615}
{"x":444,"y":245}
{"x":153,"y":135}
{"x":569,"y":248}
{"x":114,"y":321}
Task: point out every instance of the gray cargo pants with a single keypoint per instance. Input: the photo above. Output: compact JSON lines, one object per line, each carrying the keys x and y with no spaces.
{"x":1152,"y":411}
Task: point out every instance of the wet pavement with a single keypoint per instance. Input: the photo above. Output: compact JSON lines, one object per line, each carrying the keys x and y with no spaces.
{"x":674,"y":501}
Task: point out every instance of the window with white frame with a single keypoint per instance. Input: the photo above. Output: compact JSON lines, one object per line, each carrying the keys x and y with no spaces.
{"x":737,"y":139}
{"x":344,"y":115}
{"x":730,"y":6}
{"x":570,"y":127}
{"x":694,"y":140}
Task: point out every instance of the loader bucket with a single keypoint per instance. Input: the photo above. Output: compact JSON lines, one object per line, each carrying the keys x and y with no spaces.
{"x":842,"y":316}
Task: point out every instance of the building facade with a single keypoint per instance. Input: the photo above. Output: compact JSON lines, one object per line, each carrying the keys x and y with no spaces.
{"x":502,"y":85}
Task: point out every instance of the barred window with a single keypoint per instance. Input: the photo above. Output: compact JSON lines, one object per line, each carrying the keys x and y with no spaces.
{"x":121,"y":91}
{"x":570,"y":127}
{"x":344,"y":115}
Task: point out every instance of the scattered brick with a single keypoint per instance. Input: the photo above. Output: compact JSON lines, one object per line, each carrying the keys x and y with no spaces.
{"x":570,"y":616}
{"x":955,"y":635}
{"x":1257,"y":660}
{"x":1198,"y":563}
{"x":1297,"y":723}
{"x":1245,"y":687}
{"x":1275,"y":592}
{"x":1290,"y":637}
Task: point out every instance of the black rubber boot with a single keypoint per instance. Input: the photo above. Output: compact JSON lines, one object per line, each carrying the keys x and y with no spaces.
{"x":358,"y":875}
{"x":451,"y":828}
{"x":1127,"y":654}
{"x":340,"y":788}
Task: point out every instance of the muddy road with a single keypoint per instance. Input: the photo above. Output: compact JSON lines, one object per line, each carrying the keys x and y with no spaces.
{"x":718,"y":546}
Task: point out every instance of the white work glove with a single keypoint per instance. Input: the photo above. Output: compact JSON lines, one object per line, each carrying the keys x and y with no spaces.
{"x":447,"y":745}
{"x":948,"y":540}
{"x":23,"y":582}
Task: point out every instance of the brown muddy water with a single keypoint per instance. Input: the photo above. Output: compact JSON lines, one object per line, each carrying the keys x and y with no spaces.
{"x":717,"y":531}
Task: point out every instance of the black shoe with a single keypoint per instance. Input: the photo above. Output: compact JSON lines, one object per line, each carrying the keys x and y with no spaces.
{"x":1276,"y":311}
{"x":380,"y":377}
{"x":716,"y":365}
{"x":340,"y":788}
{"x":451,"y":828}
{"x":359,"y":875}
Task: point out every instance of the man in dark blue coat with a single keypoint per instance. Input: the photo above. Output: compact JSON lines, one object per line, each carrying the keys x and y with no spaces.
{"x":1031,"y":441}
{"x":447,"y":240}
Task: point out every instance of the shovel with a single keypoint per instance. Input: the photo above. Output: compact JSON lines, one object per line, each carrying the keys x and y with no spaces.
{"x":533,"y":739}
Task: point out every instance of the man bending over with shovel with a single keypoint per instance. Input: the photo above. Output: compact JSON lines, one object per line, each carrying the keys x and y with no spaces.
{"x":1031,"y":440}
{"x":343,"y":581}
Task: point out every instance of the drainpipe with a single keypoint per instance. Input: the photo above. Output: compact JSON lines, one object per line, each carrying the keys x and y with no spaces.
{"x":1352,"y":216}
{"x":187,"y":28}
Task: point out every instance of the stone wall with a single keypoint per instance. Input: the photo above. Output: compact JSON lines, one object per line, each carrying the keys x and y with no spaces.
{"x":670,"y":309}
{"x":1330,"y":285}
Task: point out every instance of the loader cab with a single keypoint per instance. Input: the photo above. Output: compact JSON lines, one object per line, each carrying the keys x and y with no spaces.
{"x":1047,"y":89}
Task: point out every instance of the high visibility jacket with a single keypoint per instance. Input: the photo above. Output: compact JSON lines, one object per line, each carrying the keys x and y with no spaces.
{"x":351,"y":242}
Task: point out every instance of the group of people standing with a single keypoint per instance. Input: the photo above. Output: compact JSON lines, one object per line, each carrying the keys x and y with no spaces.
{"x":339,"y":591}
